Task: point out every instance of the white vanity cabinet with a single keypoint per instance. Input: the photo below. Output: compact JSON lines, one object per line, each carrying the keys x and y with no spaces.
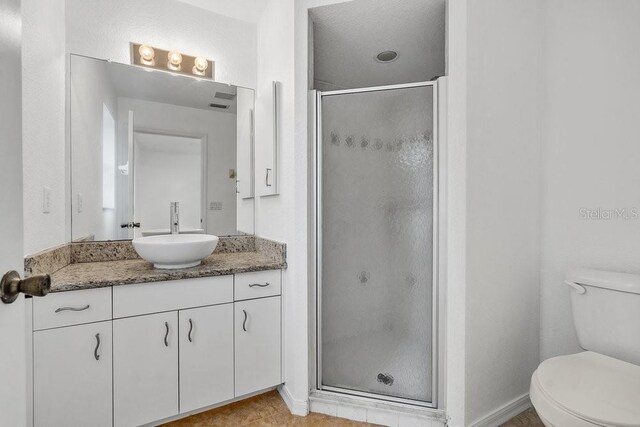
{"x":257,"y":333}
{"x":166,"y":348}
{"x":145,"y":368}
{"x":206,"y":356}
{"x":72,"y":376}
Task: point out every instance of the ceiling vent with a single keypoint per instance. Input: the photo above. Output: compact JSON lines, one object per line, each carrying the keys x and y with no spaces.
{"x":219,"y":106}
{"x":226,"y":96}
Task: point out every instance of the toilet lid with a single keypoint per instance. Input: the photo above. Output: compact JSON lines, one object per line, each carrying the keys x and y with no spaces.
{"x":593,"y":387}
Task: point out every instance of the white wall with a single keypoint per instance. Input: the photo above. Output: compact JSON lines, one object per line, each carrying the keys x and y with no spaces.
{"x":276,"y":216}
{"x":43,"y":125}
{"x":455,"y":201}
{"x":503,"y":203}
{"x":591,"y":151}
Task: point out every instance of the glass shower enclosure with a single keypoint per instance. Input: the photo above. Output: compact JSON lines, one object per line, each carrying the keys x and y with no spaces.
{"x":376,"y":234}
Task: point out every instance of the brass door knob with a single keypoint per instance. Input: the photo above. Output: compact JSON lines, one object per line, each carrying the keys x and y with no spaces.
{"x":11,"y":285}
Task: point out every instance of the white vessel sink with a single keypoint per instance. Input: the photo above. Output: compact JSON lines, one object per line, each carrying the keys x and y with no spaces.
{"x":175,"y":250}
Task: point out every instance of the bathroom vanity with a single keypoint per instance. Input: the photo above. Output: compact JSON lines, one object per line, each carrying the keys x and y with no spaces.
{"x":119,"y":343}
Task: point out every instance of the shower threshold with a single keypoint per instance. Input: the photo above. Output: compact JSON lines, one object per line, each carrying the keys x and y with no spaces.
{"x":321,"y":400}
{"x":375,"y":396}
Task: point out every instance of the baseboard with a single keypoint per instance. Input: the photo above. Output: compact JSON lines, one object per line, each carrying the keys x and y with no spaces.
{"x":296,"y":407}
{"x":504,"y":413}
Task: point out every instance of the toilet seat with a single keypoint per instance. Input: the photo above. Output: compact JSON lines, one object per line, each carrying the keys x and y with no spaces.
{"x":587,"y":389}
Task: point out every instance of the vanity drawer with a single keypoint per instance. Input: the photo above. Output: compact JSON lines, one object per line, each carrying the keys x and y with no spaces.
{"x":72,"y":308}
{"x":145,"y":298}
{"x":257,"y":284}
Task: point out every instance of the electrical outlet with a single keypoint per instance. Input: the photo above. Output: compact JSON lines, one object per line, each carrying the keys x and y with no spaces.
{"x":79,"y":203}
{"x":46,"y":199}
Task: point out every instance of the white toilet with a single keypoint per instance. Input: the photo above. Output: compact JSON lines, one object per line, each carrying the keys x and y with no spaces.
{"x":600,"y":386}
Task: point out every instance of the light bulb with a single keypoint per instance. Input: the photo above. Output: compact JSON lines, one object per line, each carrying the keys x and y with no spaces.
{"x":200,"y":65}
{"x":147,"y":54}
{"x":175,"y":60}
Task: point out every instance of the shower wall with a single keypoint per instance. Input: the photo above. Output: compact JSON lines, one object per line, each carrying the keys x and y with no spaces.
{"x":377,"y":242}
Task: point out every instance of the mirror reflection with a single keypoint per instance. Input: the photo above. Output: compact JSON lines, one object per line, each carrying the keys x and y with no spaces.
{"x":143,"y":140}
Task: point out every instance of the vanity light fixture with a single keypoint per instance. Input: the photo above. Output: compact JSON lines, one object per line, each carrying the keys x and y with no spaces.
{"x":171,"y":60}
{"x":174,"y":60}
{"x":147,"y":55}
{"x":200,"y":65}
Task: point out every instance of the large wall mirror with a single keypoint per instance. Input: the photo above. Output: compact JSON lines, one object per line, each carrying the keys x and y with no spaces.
{"x":142,"y":139}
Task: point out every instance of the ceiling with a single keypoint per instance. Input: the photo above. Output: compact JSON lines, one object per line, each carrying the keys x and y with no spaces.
{"x":244,"y":10}
{"x":348,"y":36}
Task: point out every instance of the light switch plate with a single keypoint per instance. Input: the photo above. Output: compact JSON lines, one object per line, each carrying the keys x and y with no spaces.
{"x":46,"y":199}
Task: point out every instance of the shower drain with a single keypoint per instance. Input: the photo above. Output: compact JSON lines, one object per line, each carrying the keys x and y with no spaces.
{"x":386,"y":379}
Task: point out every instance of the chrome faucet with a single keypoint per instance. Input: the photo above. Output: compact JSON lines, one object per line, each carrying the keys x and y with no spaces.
{"x":174,"y":218}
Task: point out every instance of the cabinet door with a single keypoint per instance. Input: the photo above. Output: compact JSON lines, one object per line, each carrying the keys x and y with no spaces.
{"x":266,"y":145}
{"x":72,"y":376}
{"x":257,"y":334}
{"x":145,"y":368}
{"x":206,"y":356}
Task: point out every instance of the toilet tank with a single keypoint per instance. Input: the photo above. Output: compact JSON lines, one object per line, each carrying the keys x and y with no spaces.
{"x":606,"y":312}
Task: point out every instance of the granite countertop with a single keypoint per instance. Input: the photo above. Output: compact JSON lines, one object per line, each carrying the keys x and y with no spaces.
{"x":88,"y":275}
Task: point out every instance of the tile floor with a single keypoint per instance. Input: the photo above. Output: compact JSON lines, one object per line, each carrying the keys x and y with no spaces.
{"x":528,"y":418}
{"x":268,"y":409}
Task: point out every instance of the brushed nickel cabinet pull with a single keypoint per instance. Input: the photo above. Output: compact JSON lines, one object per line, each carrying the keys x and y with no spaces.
{"x":86,"y":307}
{"x":244,"y":323}
{"x":190,"y":330}
{"x":266,"y":178}
{"x":166,"y":335}
{"x":95,"y":352}
{"x":259,"y":285}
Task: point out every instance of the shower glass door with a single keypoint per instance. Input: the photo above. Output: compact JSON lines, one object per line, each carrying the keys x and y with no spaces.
{"x":376,"y":178}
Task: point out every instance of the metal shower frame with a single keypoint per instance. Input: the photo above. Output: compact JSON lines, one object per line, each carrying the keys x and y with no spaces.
{"x":437,"y":353}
